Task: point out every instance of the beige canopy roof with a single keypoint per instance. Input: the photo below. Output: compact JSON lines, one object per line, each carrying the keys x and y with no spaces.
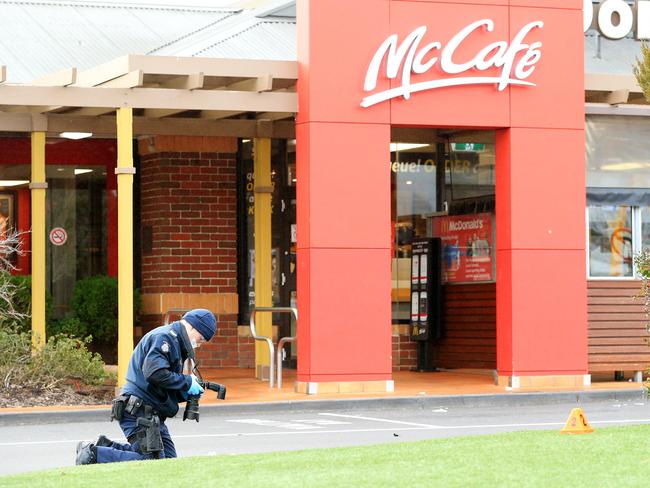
{"x":169,"y":95}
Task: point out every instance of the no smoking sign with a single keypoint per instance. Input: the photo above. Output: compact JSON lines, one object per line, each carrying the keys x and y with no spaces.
{"x":58,"y":236}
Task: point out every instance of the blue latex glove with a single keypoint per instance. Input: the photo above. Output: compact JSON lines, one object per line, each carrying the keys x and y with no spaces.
{"x":195,"y":388}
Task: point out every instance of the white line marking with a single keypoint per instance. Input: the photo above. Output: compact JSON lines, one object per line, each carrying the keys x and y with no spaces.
{"x":344,"y":431}
{"x":296,"y":432}
{"x":427,"y":426}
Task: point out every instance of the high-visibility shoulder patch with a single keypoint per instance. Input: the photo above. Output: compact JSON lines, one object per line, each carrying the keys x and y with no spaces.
{"x":165,"y":347}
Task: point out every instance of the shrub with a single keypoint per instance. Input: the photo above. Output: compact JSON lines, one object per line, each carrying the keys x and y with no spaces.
{"x":67,"y":358}
{"x":63,"y":358}
{"x":94,"y":304}
{"x":642,"y":264}
{"x":70,"y":326}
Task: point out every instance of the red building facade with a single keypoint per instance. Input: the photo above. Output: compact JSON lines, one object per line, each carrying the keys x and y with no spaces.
{"x":530,"y":52}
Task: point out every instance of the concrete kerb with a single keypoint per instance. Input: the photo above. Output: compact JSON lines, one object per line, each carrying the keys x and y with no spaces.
{"x":348,"y":404}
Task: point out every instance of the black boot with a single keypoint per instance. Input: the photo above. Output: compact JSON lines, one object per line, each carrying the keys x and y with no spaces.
{"x":103,"y":441}
{"x":86,"y":453}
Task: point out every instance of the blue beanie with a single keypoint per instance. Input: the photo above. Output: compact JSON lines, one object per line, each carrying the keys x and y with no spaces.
{"x":202,"y":320}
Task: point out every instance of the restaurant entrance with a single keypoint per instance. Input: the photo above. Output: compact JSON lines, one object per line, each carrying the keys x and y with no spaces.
{"x":442,"y":198}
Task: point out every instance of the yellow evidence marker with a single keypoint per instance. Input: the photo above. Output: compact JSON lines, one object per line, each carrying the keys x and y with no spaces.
{"x":577,"y":423}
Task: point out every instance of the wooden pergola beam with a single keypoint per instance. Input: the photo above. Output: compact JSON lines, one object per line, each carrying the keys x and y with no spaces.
{"x":104,"y":72}
{"x":152,"y":98}
{"x":64,"y":77}
{"x":175,"y":66}
{"x":235,"y":68}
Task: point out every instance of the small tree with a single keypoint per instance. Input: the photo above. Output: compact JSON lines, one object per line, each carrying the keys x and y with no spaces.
{"x":641,"y":70}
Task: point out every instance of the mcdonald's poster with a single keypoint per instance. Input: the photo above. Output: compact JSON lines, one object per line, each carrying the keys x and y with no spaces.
{"x":467,"y":250}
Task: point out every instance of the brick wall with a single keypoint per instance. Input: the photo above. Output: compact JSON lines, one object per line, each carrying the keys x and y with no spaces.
{"x":405,"y":350}
{"x":189,"y":236}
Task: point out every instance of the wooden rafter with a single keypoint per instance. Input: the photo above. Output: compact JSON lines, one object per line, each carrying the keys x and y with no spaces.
{"x":259,"y":84}
{"x":132,"y":79}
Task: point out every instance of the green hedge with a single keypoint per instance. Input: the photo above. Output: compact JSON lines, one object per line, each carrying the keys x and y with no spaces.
{"x":94,"y":308}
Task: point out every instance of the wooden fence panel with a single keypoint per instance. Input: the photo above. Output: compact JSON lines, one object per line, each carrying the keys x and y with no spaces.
{"x":618,"y":334}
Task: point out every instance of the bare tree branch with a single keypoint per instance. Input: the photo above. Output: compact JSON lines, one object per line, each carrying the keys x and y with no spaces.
{"x":11,"y":244}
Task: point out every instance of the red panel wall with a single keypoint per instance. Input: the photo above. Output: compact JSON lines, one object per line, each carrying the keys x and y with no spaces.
{"x":540,"y":152}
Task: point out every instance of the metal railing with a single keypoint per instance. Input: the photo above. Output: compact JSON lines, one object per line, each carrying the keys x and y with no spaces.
{"x":269,"y":341}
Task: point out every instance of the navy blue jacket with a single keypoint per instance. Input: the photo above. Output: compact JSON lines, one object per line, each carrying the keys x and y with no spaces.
{"x":155,"y":368}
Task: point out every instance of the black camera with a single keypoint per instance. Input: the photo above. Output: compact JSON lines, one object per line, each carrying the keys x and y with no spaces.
{"x":192,"y":407}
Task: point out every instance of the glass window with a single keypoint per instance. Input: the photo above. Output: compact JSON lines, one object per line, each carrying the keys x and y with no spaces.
{"x":413,"y":168}
{"x":470,"y":169}
{"x":610,"y":241}
{"x":645,"y":228}
{"x":618,"y":151}
{"x":76,"y":203}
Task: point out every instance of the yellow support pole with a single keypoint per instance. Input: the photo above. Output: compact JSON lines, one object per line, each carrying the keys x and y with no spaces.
{"x":263,"y":284}
{"x":38,"y":187}
{"x":124,"y":172}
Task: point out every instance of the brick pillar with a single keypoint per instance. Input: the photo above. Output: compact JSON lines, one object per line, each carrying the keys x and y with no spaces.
{"x":189,"y":235}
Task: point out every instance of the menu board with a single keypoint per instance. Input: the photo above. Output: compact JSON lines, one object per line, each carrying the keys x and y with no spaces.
{"x":467,"y":247}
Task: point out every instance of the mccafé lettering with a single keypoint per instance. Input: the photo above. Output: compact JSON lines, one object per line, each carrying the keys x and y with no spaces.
{"x":515,"y":60}
{"x":615,"y":19}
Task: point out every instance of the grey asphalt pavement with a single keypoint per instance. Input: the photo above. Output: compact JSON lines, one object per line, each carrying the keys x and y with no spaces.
{"x":35,"y":446}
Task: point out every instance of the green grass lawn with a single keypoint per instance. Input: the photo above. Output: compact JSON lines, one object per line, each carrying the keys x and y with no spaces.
{"x":617,"y":457}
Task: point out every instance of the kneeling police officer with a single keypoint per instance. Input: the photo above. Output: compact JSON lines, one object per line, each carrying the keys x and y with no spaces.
{"x":154,"y":387}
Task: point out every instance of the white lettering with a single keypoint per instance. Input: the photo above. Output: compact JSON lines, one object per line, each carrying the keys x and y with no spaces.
{"x":588,"y":14}
{"x":615,"y":19}
{"x":446,"y":63}
{"x":606,"y":14}
{"x":411,"y":58}
{"x":643,"y":20}
{"x":420,"y":68}
{"x":456,"y":225}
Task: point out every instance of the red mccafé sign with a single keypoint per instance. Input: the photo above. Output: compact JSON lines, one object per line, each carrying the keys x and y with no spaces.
{"x":419,"y":52}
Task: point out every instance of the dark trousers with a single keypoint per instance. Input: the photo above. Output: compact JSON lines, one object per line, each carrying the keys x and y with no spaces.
{"x":131,"y":452}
